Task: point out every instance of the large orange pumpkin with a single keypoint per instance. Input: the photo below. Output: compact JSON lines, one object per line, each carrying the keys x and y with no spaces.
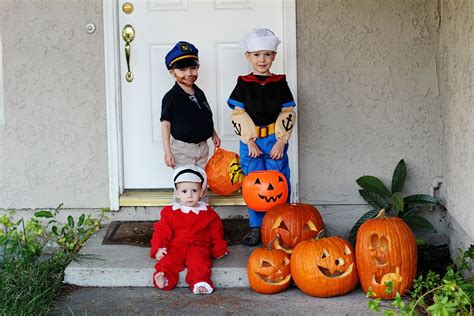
{"x":324,"y":267}
{"x":224,"y":175}
{"x":268,"y":271}
{"x":264,"y":189}
{"x":386,"y":251}
{"x":292,"y":223}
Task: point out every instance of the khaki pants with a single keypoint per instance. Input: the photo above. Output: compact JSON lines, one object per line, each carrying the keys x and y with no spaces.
{"x":190,"y":154}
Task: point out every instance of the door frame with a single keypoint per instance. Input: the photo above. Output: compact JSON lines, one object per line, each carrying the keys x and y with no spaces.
{"x":112,"y":45}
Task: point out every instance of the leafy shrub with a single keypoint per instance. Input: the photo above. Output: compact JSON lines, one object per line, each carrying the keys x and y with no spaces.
{"x":393,"y":201}
{"x":433,"y":295}
{"x":31,"y":271}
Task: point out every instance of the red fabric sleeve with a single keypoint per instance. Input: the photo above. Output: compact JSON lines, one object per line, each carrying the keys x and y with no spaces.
{"x":162,"y":231}
{"x":218,"y":244}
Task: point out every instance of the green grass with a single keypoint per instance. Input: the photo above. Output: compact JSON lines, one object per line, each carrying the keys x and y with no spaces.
{"x":29,"y":286}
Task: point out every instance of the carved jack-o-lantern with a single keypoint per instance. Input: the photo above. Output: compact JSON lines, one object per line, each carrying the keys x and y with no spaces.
{"x":324,"y":267}
{"x":292,"y":223}
{"x":386,"y":252}
{"x":264,"y":189}
{"x":269,"y":271}
{"x":224,"y":175}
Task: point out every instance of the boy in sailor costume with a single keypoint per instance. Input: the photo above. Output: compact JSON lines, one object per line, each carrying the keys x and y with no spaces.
{"x":188,"y":234}
{"x":263,"y":116}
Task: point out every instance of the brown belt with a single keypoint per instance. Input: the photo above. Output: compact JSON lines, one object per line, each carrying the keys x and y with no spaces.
{"x":264,"y":131}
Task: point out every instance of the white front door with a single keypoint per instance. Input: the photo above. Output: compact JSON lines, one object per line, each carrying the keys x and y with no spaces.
{"x":214,"y":27}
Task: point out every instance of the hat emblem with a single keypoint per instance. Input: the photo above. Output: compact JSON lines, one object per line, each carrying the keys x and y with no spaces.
{"x":184,"y":47}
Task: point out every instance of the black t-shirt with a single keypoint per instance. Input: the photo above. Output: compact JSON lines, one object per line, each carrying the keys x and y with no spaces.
{"x":262,"y":97}
{"x":190,"y":115}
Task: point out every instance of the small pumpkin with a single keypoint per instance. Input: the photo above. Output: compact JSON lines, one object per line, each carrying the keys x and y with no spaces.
{"x":264,"y":189}
{"x":324,"y":267}
{"x":292,"y":223}
{"x":386,"y":252}
{"x":224,"y":174}
{"x":269,"y":271}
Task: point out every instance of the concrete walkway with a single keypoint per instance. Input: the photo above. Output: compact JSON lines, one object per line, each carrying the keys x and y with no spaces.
{"x":180,"y":301}
{"x":119,"y":283}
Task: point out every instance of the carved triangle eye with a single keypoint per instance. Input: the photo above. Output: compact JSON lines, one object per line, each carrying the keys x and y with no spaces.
{"x":283,"y":226}
{"x":347,"y":250}
{"x":325,"y":253}
{"x":257,"y":181}
{"x":280,"y":179}
{"x":266,"y":264}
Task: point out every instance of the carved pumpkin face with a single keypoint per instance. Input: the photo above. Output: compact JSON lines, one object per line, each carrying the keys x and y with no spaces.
{"x":292,"y":223}
{"x":324,"y":267}
{"x":224,"y":175}
{"x":386,"y":251}
{"x":268,"y":271}
{"x":264,"y":189}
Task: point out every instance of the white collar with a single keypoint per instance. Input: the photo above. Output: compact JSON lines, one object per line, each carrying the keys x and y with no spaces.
{"x":202,"y":206}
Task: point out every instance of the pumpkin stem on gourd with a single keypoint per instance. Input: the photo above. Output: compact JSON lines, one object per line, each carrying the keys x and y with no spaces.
{"x":269,"y":246}
{"x":320,"y":234}
{"x":381,"y":214}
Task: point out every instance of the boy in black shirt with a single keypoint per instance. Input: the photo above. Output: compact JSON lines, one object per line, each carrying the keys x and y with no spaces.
{"x":186,"y":118}
{"x":262,"y":115}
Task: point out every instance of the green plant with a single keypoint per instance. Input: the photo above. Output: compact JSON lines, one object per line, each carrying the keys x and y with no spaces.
{"x":31,"y":272}
{"x":393,"y":201}
{"x":433,"y":295}
{"x":72,"y":235}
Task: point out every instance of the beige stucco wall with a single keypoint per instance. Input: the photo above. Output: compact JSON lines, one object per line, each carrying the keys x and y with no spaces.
{"x":53,"y":144}
{"x":456,"y":54}
{"x":368,"y":95}
{"x":377,"y":81}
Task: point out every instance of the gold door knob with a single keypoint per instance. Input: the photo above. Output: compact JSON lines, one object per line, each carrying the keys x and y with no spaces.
{"x":128,"y":34}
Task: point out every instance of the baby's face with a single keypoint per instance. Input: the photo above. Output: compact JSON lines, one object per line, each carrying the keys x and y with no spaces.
{"x":189,"y":193}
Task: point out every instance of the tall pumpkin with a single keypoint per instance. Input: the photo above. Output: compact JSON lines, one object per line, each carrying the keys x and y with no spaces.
{"x":324,"y":267}
{"x":268,"y":271}
{"x":386,"y":251}
{"x":292,"y":223}
{"x":264,"y":189}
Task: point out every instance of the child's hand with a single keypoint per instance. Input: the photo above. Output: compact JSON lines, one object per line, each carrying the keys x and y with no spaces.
{"x":160,"y":253}
{"x":226,"y":253}
{"x":254,"y":151}
{"x":277,"y":150}
{"x":215,"y":139}
{"x":169,"y":160}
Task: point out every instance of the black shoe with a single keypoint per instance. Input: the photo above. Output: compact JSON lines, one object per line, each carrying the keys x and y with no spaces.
{"x":253,"y":237}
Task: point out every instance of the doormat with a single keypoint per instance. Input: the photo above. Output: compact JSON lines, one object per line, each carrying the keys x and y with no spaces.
{"x":139,"y":233}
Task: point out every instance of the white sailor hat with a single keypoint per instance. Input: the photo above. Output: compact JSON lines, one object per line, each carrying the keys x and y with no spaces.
{"x":189,"y":173}
{"x":259,"y":39}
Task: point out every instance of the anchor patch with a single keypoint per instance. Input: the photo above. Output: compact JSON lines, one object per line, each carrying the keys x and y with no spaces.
{"x":288,"y":120}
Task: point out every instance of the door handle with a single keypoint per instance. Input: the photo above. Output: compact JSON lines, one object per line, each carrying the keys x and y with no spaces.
{"x":128,"y":34}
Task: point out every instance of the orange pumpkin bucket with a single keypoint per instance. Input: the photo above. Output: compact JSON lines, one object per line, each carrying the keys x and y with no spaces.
{"x":264,"y":189}
{"x":224,"y":175}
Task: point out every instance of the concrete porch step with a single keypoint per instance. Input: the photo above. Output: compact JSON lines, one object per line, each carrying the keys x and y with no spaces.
{"x":122,"y":265}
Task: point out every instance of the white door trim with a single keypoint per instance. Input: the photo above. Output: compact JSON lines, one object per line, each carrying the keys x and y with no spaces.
{"x":289,"y":27}
{"x":113,"y":102}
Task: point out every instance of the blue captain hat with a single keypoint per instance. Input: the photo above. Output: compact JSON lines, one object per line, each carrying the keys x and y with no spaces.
{"x":183,"y":54}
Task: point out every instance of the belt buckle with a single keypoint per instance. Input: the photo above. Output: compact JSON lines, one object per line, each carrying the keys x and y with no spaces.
{"x":263,"y":131}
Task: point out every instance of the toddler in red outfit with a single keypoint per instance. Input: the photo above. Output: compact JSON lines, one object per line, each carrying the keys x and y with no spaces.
{"x":188,"y":234}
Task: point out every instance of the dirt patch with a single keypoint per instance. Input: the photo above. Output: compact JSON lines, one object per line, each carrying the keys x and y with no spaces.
{"x":138,"y":233}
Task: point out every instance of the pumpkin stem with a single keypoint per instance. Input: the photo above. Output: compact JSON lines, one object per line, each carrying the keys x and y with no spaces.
{"x":320,"y":234}
{"x":269,"y":246}
{"x":381,"y":214}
